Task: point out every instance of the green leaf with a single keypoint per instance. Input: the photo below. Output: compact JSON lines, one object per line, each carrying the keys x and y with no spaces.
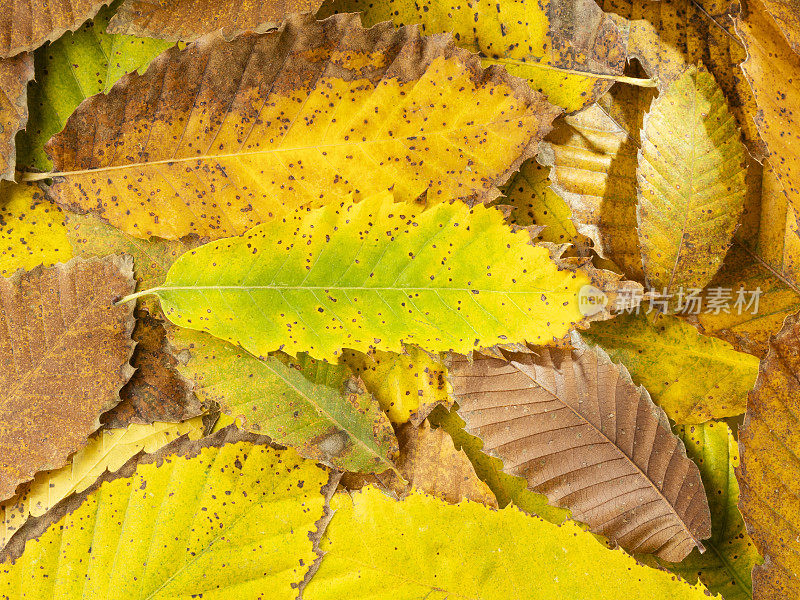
{"x":310,"y":405}
{"x":730,"y":555}
{"x":374,"y":275}
{"x":209,"y":518}
{"x":80,"y":64}
{"x":691,"y":175}
{"x":693,"y":377}
{"x":423,"y":547}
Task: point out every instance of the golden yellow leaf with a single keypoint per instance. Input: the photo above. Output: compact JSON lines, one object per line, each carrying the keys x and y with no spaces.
{"x":106,"y":450}
{"x":691,"y":175}
{"x":32,"y":231}
{"x":219,"y":137}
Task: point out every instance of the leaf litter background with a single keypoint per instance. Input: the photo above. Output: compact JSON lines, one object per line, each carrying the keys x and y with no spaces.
{"x":291,"y":299}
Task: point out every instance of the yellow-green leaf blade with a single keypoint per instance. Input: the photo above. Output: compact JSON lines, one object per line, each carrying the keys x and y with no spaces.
{"x":691,"y":183}
{"x":310,"y":405}
{"x":213,"y":518}
{"x":693,"y":377}
{"x":376,"y":274}
{"x":424,"y":548}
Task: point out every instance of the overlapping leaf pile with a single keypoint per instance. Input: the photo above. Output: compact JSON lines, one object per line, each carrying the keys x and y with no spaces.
{"x":394,"y":299}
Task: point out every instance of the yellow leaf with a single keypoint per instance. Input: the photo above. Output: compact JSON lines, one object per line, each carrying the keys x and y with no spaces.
{"x":421,"y":547}
{"x":107,"y":450}
{"x":221,"y":518}
{"x":32,"y":229}
{"x":558,"y":45}
{"x":769,"y":477}
{"x":691,"y":175}
{"x":219,"y":137}
{"x":408,"y":386}
{"x":693,"y":377}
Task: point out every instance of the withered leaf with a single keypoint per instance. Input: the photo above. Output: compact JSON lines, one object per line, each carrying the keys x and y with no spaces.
{"x":187,"y":20}
{"x":428,"y":462}
{"x":769,"y":476}
{"x":27,"y":24}
{"x":64,"y":352}
{"x":575,"y":426}
{"x":15,"y":73}
{"x":156,"y":392}
{"x":222,"y":136}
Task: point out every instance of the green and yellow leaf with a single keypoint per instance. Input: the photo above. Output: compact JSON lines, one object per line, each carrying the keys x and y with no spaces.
{"x":223,"y":135}
{"x":423,"y":547}
{"x":693,"y":377}
{"x":313,"y":406}
{"x":376,"y":275}
{"x":691,"y":175}
{"x":221,"y":520}
{"x":74,"y":67}
{"x":107,"y":450}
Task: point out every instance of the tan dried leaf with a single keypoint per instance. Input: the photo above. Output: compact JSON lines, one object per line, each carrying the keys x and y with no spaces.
{"x":64,"y":351}
{"x":187,"y":20}
{"x":575,"y":426}
{"x":15,"y":73}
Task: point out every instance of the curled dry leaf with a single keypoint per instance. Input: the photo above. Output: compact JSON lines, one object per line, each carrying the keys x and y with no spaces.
{"x":15,"y":73}
{"x":64,"y":352}
{"x":223,"y":136}
{"x":691,"y":175}
{"x":593,"y":157}
{"x":770,"y":467}
{"x":156,"y":391}
{"x":313,"y":406}
{"x":107,"y":450}
{"x":430,"y":463}
{"x":378,"y":274}
{"x":668,"y":36}
{"x":23,"y":26}
{"x":408,"y":385}
{"x":552,"y":43}
{"x":771,"y":69}
{"x":32,"y":229}
{"x":187,"y":20}
{"x":576,"y":427}
{"x":422,"y":547}
{"x":226,"y":516}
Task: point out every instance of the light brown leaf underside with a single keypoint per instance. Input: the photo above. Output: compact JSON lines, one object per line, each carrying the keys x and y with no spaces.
{"x":64,"y":351}
{"x":575,"y":426}
{"x":15,"y":73}
{"x":222,"y":136}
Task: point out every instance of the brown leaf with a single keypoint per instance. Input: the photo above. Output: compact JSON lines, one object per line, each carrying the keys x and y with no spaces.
{"x":15,"y":73}
{"x":156,"y":392}
{"x":428,"y":462}
{"x":575,"y":426}
{"x":27,"y":24}
{"x":222,"y":136}
{"x":187,"y":20}
{"x":64,"y":352}
{"x":769,"y":476}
